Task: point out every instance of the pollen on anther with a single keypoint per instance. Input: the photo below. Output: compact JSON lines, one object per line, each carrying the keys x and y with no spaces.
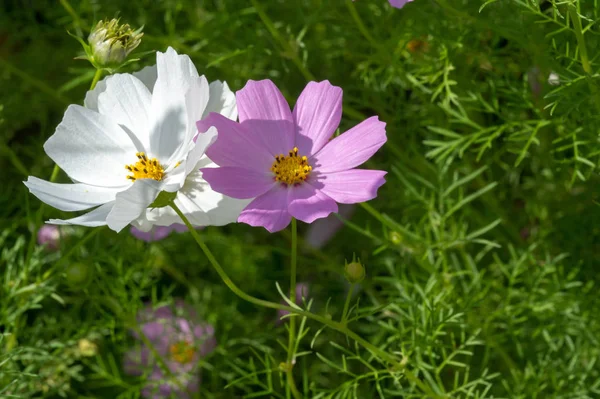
{"x":291,"y":169}
{"x":145,"y":168}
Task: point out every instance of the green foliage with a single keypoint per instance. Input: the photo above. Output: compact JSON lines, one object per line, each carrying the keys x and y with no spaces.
{"x":480,"y":252}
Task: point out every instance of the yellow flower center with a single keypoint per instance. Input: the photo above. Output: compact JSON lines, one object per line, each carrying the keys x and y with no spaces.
{"x":145,"y":168}
{"x":291,"y":169}
{"x":182,"y":352}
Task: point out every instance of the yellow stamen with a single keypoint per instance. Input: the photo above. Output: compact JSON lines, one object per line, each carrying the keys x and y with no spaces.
{"x":182,"y":352}
{"x":291,"y":169}
{"x":145,"y":168}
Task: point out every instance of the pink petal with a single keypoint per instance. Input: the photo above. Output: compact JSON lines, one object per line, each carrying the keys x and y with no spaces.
{"x":264,"y":110}
{"x":235,"y":145}
{"x":317,"y":113}
{"x":238,"y":182}
{"x":308,"y":204}
{"x":399,"y":3}
{"x":269,"y":210}
{"x":276,"y":136}
{"x":350,"y":149}
{"x":351,"y":186}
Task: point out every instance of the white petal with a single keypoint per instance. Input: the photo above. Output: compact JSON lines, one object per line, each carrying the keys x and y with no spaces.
{"x":195,"y":102}
{"x":91,"y":148}
{"x":169,"y":128}
{"x":70,"y":197}
{"x":203,"y":141}
{"x":148,"y":76}
{"x":95,"y":218}
{"x":221,"y":101}
{"x":127,"y":101}
{"x":200,"y":204}
{"x":142,"y":224}
{"x":91,"y":97}
{"x":131,"y":203}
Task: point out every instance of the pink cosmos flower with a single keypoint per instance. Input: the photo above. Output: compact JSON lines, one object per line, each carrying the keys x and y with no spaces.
{"x":288,"y":162}
{"x":180,"y":339}
{"x":399,"y":3}
{"x":157,"y":233}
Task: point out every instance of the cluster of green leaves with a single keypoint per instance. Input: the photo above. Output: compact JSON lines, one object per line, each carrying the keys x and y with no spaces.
{"x":480,"y":251}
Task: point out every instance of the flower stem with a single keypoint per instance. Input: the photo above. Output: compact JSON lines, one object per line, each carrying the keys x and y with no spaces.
{"x":96,"y":79}
{"x":583,"y":54}
{"x":285,"y":44}
{"x":359,"y":23}
{"x":347,"y":305}
{"x":397,"y":365}
{"x":292,"y":329}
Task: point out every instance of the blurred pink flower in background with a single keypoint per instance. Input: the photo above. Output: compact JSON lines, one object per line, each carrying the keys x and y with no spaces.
{"x":158,"y":233}
{"x":180,"y":339}
{"x":49,"y":236}
{"x":322,"y":230}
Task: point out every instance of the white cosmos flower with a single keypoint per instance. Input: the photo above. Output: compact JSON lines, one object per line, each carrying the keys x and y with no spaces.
{"x":134,"y":139}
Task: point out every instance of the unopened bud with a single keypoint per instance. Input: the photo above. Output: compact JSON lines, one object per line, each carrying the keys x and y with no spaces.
{"x":78,"y":275}
{"x":396,"y":238}
{"x":111,"y":43}
{"x":355,"y":271}
{"x":87,"y":348}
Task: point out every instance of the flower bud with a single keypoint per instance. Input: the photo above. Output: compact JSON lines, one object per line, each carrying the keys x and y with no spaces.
{"x":354,"y":271}
{"x":49,"y":236}
{"x":78,"y":274}
{"x":111,"y":43}
{"x":396,"y":238}
{"x":87,"y":348}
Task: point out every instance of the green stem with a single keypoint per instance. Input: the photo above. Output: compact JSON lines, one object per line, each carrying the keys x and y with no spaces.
{"x":397,"y":366}
{"x":578,"y":29}
{"x":291,"y":52}
{"x":78,"y":24}
{"x":583,"y":54}
{"x":359,"y":23}
{"x":96,"y":79}
{"x":292,"y":329}
{"x":347,"y":305}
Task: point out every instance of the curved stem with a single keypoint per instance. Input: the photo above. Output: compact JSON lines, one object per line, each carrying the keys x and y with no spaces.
{"x":292,"y":330}
{"x":397,"y":365}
